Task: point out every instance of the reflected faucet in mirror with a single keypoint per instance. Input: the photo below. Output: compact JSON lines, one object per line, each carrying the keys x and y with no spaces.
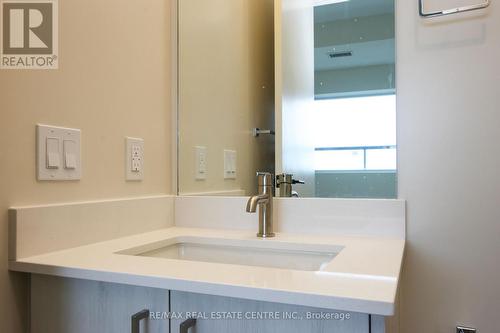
{"x":285,"y":184}
{"x":264,"y":201}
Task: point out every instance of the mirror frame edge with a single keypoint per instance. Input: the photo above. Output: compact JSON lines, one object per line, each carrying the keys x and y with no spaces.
{"x":174,"y":95}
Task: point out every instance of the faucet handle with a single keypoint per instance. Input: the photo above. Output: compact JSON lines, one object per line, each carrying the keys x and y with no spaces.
{"x":287,"y":178}
{"x":265,"y":179}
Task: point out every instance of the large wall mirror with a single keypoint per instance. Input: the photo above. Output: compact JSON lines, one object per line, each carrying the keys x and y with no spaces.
{"x":287,"y":86}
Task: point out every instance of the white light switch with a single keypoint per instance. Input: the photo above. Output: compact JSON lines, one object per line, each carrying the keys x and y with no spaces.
{"x":134,"y":163}
{"x":200,"y":163}
{"x":229,"y":164}
{"x":58,"y":151}
{"x":70,"y":151}
{"x":52,"y":152}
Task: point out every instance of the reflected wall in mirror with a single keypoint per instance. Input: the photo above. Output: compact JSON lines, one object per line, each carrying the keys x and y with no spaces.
{"x":226,"y":88}
{"x":336,"y":106}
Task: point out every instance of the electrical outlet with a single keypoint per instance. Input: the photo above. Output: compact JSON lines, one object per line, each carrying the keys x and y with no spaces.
{"x":134,"y":162}
{"x":461,"y":329}
{"x":201,"y":169}
{"x":136,"y":157}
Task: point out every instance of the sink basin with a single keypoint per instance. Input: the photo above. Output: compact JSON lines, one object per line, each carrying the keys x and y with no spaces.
{"x":265,"y":253}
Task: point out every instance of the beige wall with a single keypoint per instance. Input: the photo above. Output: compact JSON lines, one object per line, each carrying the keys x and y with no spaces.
{"x":294,"y":33}
{"x":449,"y":162}
{"x":447,"y":123}
{"x":113,"y":82}
{"x":226,"y":88}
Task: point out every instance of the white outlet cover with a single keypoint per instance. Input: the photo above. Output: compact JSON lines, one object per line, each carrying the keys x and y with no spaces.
{"x":134,"y":159}
{"x":200,"y":158}
{"x":69,"y":164}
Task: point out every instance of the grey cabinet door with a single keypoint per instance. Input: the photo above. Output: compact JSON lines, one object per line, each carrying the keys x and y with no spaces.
{"x":60,"y":305}
{"x":230,"y":315}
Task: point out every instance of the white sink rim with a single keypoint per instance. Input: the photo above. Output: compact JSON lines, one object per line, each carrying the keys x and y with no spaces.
{"x":274,"y":246}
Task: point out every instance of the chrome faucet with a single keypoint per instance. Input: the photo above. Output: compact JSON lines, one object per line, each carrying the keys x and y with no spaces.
{"x":264,"y":200}
{"x":285,"y":182}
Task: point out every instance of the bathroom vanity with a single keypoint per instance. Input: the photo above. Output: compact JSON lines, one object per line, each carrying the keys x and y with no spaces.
{"x":199,"y":258}
{"x":108,"y":307}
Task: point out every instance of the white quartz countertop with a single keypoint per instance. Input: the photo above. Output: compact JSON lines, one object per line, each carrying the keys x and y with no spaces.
{"x":363,"y":277}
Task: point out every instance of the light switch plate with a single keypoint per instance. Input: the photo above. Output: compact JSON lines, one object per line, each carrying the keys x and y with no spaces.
{"x":134,"y":161}
{"x":229,"y":164}
{"x":52,"y":155}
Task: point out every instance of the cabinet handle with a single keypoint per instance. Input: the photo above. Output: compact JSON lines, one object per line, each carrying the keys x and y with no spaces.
{"x":136,"y":319}
{"x":186,"y":325}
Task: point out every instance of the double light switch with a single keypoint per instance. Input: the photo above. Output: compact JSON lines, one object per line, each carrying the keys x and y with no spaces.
{"x":58,"y":151}
{"x":230,"y":164}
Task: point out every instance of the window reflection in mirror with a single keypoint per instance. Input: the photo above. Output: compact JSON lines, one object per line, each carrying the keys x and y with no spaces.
{"x":354,"y":107}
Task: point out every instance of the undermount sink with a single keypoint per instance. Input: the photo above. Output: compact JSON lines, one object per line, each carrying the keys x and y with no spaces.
{"x":241,"y":252}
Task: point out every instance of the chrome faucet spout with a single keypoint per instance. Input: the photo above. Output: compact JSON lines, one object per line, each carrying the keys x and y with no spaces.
{"x":256,"y":200}
{"x":264,"y":201}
